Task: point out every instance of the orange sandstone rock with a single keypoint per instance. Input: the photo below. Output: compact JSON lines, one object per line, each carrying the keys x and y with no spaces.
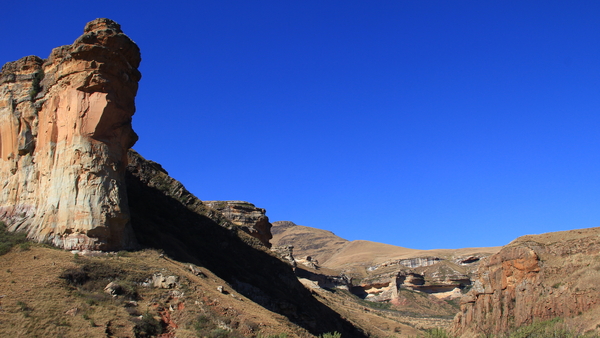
{"x":534,"y":278}
{"x":65,"y":128}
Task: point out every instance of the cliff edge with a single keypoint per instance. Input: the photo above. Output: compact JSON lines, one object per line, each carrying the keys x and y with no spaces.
{"x":535,"y":278}
{"x":65,"y":128}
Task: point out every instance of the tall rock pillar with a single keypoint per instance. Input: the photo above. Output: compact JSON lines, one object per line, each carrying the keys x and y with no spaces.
{"x":65,"y":128}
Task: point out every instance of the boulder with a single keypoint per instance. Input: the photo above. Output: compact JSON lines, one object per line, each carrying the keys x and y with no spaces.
{"x":164,"y":282}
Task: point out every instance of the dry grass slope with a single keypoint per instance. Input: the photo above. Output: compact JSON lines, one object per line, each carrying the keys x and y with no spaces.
{"x":38,"y":301}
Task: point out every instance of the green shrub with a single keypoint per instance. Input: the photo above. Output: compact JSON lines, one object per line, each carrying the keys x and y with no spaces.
{"x":544,"y":329}
{"x":9,"y":239}
{"x":122,"y":253}
{"x":331,"y":335}
{"x":91,"y":277}
{"x":148,"y":326}
{"x":437,"y":333}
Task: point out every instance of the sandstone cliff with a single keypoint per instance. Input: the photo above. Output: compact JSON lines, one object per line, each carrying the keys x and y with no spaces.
{"x":251,"y":219}
{"x":65,"y":127}
{"x":536,"y":277}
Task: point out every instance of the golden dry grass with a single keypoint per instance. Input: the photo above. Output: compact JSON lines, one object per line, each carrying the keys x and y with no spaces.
{"x":307,"y":241}
{"x":36,"y":301}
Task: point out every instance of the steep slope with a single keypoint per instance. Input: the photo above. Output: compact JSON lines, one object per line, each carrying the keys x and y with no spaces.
{"x":536,"y":277}
{"x":65,"y":127}
{"x":40,"y":298}
{"x":166,"y":216}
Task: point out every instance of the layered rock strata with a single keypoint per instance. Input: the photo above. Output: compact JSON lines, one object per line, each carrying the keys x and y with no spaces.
{"x":535,"y":278}
{"x":65,"y":128}
{"x":253,"y":220}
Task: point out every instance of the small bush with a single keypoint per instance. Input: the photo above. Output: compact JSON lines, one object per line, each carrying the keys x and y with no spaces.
{"x":148,"y":326}
{"x":201,"y":323}
{"x":75,"y":276}
{"x":122,"y":253}
{"x":331,"y":335}
{"x":90,"y":279}
{"x":9,"y":239}
{"x":24,"y":308}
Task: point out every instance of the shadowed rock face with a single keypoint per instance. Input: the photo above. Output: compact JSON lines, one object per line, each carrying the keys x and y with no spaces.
{"x":65,"y":128}
{"x":165,"y":215}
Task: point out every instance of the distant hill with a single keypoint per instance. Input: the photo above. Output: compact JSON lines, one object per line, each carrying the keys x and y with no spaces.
{"x":319,"y":244}
{"x":354,"y":257}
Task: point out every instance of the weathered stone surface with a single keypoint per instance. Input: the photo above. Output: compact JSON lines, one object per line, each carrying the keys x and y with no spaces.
{"x":164,"y":282}
{"x":113,"y":289}
{"x":534,"y":278}
{"x":65,"y":128}
{"x":252,"y":219}
{"x":286,"y":254}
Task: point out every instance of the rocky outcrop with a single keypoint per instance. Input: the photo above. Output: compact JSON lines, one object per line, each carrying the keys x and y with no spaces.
{"x":323,"y":280}
{"x":534,"y":278}
{"x":286,"y":254}
{"x":246,"y":215}
{"x":409,"y":263}
{"x":166,"y":216}
{"x":65,"y":128}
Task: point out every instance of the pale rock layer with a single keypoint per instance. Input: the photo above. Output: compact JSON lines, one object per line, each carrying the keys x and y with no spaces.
{"x":65,"y":128}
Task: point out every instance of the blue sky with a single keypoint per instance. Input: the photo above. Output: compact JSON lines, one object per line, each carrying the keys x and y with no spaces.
{"x":423,"y":124}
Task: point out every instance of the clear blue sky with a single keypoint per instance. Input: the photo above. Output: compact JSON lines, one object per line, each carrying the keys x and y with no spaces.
{"x":424,"y":124}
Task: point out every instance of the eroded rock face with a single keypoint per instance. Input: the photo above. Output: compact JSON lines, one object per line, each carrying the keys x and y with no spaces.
{"x":534,"y":278}
{"x":65,"y":128}
{"x":252,"y":219}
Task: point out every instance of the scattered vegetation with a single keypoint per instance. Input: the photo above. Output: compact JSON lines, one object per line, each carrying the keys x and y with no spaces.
{"x":213,"y":327}
{"x":553,"y":328}
{"x":92,"y":276}
{"x":9,"y":239}
{"x":331,"y":335}
{"x":437,"y":333}
{"x":24,"y":308}
{"x":147,"y":326}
